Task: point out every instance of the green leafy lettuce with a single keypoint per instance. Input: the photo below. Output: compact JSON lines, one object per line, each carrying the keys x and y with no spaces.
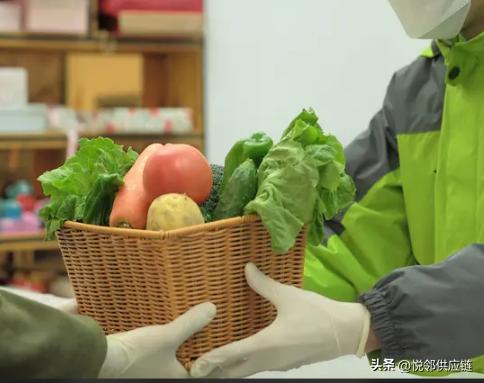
{"x":302,"y":180}
{"x":83,"y":189}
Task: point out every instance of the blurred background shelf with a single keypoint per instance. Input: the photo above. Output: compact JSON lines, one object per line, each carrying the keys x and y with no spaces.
{"x":89,"y":56}
{"x":35,"y":42}
{"x":54,"y":140}
{"x":26,"y":242}
{"x":31,"y":262}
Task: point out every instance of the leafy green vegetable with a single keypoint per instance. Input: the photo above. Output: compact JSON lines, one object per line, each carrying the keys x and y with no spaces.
{"x":255,"y":148}
{"x":302,"y":180}
{"x":83,"y":189}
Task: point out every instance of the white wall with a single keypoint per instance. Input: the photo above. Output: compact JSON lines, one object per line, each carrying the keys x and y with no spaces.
{"x":267,"y":59}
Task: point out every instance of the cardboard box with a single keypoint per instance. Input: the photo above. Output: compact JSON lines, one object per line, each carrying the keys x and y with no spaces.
{"x":57,"y":16}
{"x":92,"y":77}
{"x":26,"y":119}
{"x":148,"y":23}
{"x":13,"y":83}
{"x":10,"y":17}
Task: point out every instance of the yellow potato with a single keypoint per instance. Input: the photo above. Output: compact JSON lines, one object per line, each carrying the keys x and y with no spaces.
{"x":173,"y":211}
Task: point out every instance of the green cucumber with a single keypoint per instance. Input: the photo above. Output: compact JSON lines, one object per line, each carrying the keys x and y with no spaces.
{"x":241,"y":188}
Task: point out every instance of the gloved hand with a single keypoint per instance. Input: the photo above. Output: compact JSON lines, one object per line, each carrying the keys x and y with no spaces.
{"x":149,"y":352}
{"x":69,"y":306}
{"x":309,"y":328}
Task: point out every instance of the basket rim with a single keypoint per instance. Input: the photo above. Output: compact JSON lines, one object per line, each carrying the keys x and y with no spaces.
{"x":148,"y":234}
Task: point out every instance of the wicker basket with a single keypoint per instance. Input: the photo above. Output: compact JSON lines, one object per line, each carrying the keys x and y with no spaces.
{"x":131,"y":278}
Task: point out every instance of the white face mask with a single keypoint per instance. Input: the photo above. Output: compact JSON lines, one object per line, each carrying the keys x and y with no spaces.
{"x":432,"y":19}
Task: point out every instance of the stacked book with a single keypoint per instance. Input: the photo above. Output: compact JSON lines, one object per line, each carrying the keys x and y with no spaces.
{"x":156,"y":18}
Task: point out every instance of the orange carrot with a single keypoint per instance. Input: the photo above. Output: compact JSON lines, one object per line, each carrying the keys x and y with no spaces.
{"x":130,"y":208}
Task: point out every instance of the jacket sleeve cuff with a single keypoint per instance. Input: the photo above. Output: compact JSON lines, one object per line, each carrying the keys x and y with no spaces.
{"x":52,"y":344}
{"x":382,"y":324}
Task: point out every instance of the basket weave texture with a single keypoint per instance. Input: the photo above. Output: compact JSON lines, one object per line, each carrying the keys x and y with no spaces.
{"x":127,"y":279}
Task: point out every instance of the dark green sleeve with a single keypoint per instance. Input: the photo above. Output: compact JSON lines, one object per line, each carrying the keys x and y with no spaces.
{"x":37,"y":341}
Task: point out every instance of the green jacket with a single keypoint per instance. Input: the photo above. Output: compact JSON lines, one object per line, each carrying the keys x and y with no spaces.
{"x":38,"y":341}
{"x":419,"y":172}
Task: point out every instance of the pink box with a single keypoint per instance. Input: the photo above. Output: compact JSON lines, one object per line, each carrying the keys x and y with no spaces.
{"x":57,"y":16}
{"x":10,"y":17}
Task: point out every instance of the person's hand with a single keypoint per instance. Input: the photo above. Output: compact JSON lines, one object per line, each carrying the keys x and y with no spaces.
{"x":309,"y":328}
{"x":69,"y":306}
{"x":150,"y":352}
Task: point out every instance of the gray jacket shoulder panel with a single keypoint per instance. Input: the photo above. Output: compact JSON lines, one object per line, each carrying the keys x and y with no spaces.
{"x":413,"y":104}
{"x":372,"y":154}
{"x":415,"y":98}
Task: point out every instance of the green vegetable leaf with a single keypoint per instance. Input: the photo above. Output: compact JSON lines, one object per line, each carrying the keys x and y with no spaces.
{"x":100,"y":199}
{"x":83,"y":189}
{"x":309,"y":117}
{"x":335,"y":201}
{"x":286,"y":196}
{"x":302,"y":181}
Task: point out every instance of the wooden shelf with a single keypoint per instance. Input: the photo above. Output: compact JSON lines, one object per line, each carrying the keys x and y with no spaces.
{"x":52,"y":265}
{"x":48,"y":140}
{"x":100,"y":44}
{"x":52,"y":140}
{"x":26,"y":242}
{"x":172,"y":76}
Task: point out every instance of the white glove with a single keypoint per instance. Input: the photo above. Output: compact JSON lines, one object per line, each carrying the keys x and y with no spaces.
{"x":150,"y":352}
{"x":68,"y":306}
{"x":309,"y":328}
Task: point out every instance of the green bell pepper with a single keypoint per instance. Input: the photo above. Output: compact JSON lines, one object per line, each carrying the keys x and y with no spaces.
{"x":255,"y":148}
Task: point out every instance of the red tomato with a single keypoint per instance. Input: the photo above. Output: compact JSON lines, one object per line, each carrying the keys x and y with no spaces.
{"x":177,"y":168}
